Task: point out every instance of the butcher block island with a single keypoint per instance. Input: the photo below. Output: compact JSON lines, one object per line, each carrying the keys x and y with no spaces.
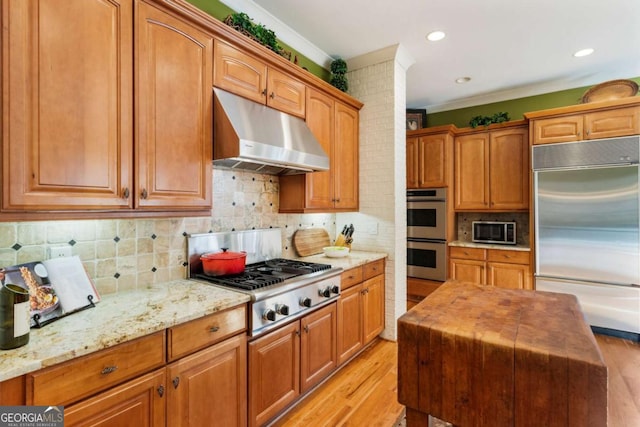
{"x":476,"y":355}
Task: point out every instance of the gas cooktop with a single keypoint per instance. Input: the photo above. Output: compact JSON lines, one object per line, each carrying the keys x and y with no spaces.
{"x":266,"y":273}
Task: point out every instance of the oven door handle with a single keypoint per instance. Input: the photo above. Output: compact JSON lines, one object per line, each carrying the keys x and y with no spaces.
{"x":423,"y":240}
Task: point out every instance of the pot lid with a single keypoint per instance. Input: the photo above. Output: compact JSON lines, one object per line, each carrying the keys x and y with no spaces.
{"x":225,"y":254}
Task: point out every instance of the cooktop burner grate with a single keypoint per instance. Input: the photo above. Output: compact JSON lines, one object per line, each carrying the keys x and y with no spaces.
{"x":266,"y":273}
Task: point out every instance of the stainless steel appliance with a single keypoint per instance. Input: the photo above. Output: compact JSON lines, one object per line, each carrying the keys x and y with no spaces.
{"x":281,"y":290}
{"x":427,"y":233}
{"x":587,"y":238}
{"x":499,"y":232}
{"x":252,"y":136}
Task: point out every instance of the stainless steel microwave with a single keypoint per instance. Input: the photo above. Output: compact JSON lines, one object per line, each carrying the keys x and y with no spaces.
{"x":500,"y":232}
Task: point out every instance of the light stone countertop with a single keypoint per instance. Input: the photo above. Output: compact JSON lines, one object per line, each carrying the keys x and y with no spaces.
{"x":353,"y":260}
{"x":117,"y":318}
{"x":464,"y":244}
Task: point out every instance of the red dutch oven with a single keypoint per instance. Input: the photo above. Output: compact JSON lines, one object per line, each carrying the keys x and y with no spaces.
{"x":223,"y":263}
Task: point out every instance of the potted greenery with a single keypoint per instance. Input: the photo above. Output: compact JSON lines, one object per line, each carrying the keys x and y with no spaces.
{"x":338,"y":77}
{"x":487,"y":120}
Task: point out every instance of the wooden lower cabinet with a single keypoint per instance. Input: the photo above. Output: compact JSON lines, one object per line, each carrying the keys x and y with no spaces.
{"x":289,"y":361}
{"x":494,"y":267}
{"x":209,"y":385}
{"x":360,"y":309}
{"x":137,"y":403}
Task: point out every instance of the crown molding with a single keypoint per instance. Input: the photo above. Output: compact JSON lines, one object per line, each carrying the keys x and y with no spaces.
{"x":396,"y":52}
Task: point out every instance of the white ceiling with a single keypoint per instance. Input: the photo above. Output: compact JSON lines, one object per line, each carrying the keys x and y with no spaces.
{"x":509,"y":48}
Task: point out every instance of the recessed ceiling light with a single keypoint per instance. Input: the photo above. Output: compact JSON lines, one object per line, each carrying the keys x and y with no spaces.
{"x":434,"y":36}
{"x":583,"y":52}
{"x":463,"y":79}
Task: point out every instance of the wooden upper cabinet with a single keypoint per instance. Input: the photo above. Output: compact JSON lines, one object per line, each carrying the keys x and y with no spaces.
{"x":69,"y":141}
{"x":243,"y":74}
{"x":492,"y":170}
{"x":472,"y":171}
{"x":586,"y":121}
{"x":174,"y":64}
{"x":68,"y":102}
{"x":430,"y":157}
{"x":335,"y":126}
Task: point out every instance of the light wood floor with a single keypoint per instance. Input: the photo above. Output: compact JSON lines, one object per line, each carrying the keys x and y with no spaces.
{"x":364,"y":393}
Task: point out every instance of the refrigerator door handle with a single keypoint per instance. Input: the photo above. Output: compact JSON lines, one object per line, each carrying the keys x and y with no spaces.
{"x":574,"y":280}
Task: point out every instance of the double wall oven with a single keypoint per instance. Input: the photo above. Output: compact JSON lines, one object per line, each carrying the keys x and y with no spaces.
{"x":427,"y":234}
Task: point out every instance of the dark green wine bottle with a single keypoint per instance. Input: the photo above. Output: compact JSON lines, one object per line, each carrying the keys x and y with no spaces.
{"x":14,"y":316}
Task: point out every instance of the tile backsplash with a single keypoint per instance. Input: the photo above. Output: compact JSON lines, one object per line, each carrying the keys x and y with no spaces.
{"x":123,"y":254}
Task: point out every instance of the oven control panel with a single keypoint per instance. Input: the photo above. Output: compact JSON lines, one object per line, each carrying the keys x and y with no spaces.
{"x":275,"y":310}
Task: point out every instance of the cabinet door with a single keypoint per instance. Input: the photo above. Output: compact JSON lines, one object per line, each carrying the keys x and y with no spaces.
{"x":432,"y":163}
{"x":610,"y":123}
{"x":137,"y":403}
{"x":509,"y":169}
{"x":320,"y":119}
{"x":373,"y":307}
{"x":350,"y":335}
{"x":286,"y":93}
{"x":467,"y":270}
{"x":412,"y":157}
{"x":209,"y":385}
{"x":318,"y":355}
{"x":344,"y":160}
{"x":173,"y":112}
{"x":239,"y":73}
{"x":557,"y":129}
{"x":513,"y":276}
{"x":68,"y":105}
{"x":472,"y":172}
{"x":274,"y":373}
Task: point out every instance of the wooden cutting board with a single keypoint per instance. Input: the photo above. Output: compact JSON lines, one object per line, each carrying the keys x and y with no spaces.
{"x":310,"y":241}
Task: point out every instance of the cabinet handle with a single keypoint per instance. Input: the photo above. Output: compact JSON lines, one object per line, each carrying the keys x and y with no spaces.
{"x":144,"y":194}
{"x":272,"y":95}
{"x":108,"y":369}
{"x":125,"y":193}
{"x":306,"y":328}
{"x":175,"y":382}
{"x":160,"y":390}
{"x":214,"y":329}
{"x":298,"y":332}
{"x":588,"y":131}
{"x":264,"y":92}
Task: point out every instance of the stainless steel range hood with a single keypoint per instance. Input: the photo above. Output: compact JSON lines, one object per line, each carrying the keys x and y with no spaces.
{"x":251,"y":136}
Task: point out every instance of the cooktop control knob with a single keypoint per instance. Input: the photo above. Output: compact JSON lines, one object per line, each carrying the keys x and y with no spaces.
{"x":282,"y":309}
{"x":326,"y":292}
{"x":269,"y":314}
{"x":335,"y":289}
{"x":305,"y":302}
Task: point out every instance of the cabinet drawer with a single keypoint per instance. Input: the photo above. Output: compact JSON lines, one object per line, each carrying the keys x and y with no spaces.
{"x":71,"y":381}
{"x":373,"y":269}
{"x":512,"y":257}
{"x":467,"y":253}
{"x":189,"y":337}
{"x":351,"y":277}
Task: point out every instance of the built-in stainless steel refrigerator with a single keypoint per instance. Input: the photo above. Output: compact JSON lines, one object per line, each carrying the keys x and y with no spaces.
{"x":587,"y":227}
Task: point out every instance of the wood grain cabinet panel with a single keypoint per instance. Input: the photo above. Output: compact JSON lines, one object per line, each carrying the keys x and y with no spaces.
{"x":318,"y":356}
{"x":173,"y":112}
{"x":68,"y":105}
{"x":494,"y":267}
{"x":210,"y":386}
{"x":188,"y":337}
{"x":78,"y":378}
{"x":429,"y":157}
{"x":360,"y":309}
{"x":137,"y":403}
{"x":241,"y":73}
{"x":492,"y":170}
{"x":560,"y":125}
{"x":336,"y":127}
{"x":74,"y":93}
